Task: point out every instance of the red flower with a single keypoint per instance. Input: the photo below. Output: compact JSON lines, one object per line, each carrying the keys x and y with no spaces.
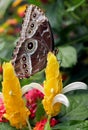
{"x":53,"y":122}
{"x":2,"y":111}
{"x":32,"y":97}
{"x":11,"y":22}
{"x":40,"y":125}
{"x":64,"y":76}
{"x":1,"y":70}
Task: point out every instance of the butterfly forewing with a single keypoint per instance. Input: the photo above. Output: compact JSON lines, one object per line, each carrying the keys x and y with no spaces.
{"x":34,"y":43}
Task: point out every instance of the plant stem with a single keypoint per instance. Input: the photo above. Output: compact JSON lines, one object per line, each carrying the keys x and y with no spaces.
{"x":29,"y":126}
{"x":49,"y":117}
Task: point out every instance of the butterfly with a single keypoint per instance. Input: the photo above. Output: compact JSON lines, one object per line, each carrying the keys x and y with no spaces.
{"x":35,"y":41}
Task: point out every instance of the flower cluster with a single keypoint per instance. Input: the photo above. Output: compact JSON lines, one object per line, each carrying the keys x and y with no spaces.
{"x":41,"y":124}
{"x":32,"y":98}
{"x":11,"y":25}
{"x":2,"y":111}
{"x":12,"y":104}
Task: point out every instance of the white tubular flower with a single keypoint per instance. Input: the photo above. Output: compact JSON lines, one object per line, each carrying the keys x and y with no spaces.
{"x":28,"y":87}
{"x":59,"y":97}
{"x":74,"y":86}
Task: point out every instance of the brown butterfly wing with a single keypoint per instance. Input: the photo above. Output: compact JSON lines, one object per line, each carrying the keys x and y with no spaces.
{"x":45,"y":44}
{"x":35,"y":42}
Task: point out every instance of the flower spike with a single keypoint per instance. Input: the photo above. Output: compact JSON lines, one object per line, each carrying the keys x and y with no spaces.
{"x":16,"y":111}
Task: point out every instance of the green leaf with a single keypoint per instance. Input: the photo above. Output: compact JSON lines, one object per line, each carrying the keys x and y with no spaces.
{"x":35,"y":2}
{"x":40,"y":112}
{"x":38,"y":77}
{"x":47,"y":126}
{"x":2,"y":60}
{"x":3,"y":6}
{"x":6,"y":47}
{"x":6,"y":126}
{"x":57,"y":9}
{"x":78,"y":109}
{"x":75,"y":116}
{"x":72,"y":126}
{"x":67,"y":55}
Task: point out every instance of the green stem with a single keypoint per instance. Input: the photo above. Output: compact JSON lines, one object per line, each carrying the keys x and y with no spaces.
{"x":47,"y":125}
{"x":29,"y":126}
{"x":72,"y":8}
{"x":49,"y":117}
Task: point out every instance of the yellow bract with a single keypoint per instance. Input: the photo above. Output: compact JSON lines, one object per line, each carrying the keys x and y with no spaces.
{"x":21,"y":9}
{"x":16,"y":112}
{"x":16,"y":3}
{"x":52,"y":85}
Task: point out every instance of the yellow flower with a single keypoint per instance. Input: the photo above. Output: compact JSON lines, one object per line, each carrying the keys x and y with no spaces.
{"x":2,"y":30}
{"x":53,"y":91}
{"x":16,"y":112}
{"x":21,"y":10}
{"x":52,"y":85}
{"x":16,"y":3}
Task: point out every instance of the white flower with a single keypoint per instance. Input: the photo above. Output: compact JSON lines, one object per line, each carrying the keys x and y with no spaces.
{"x":61,"y":98}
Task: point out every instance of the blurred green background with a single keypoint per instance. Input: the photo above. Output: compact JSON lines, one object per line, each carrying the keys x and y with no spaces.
{"x":69,"y":23}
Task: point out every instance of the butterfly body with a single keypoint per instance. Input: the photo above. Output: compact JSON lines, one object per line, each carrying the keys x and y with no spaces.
{"x":34,"y":43}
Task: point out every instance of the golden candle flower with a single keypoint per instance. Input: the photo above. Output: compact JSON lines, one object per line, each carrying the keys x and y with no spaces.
{"x":52,"y":85}
{"x":16,"y":111}
{"x":53,"y":88}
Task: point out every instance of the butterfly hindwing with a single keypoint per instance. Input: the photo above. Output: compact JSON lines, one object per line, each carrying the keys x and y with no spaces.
{"x":34,"y":43}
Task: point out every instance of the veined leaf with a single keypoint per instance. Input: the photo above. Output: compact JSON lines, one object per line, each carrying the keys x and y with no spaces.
{"x":6,"y":126}
{"x":67,"y":55}
{"x":72,"y":126}
{"x":78,"y":109}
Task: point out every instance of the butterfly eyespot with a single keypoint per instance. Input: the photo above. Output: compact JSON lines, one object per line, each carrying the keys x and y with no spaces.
{"x":32,"y":25}
{"x":29,"y":31}
{"x":30,"y":45}
{"x":24,"y":58}
{"x":26,"y":71}
{"x":24,"y":65}
{"x":34,"y":15}
{"x":31,"y":28}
